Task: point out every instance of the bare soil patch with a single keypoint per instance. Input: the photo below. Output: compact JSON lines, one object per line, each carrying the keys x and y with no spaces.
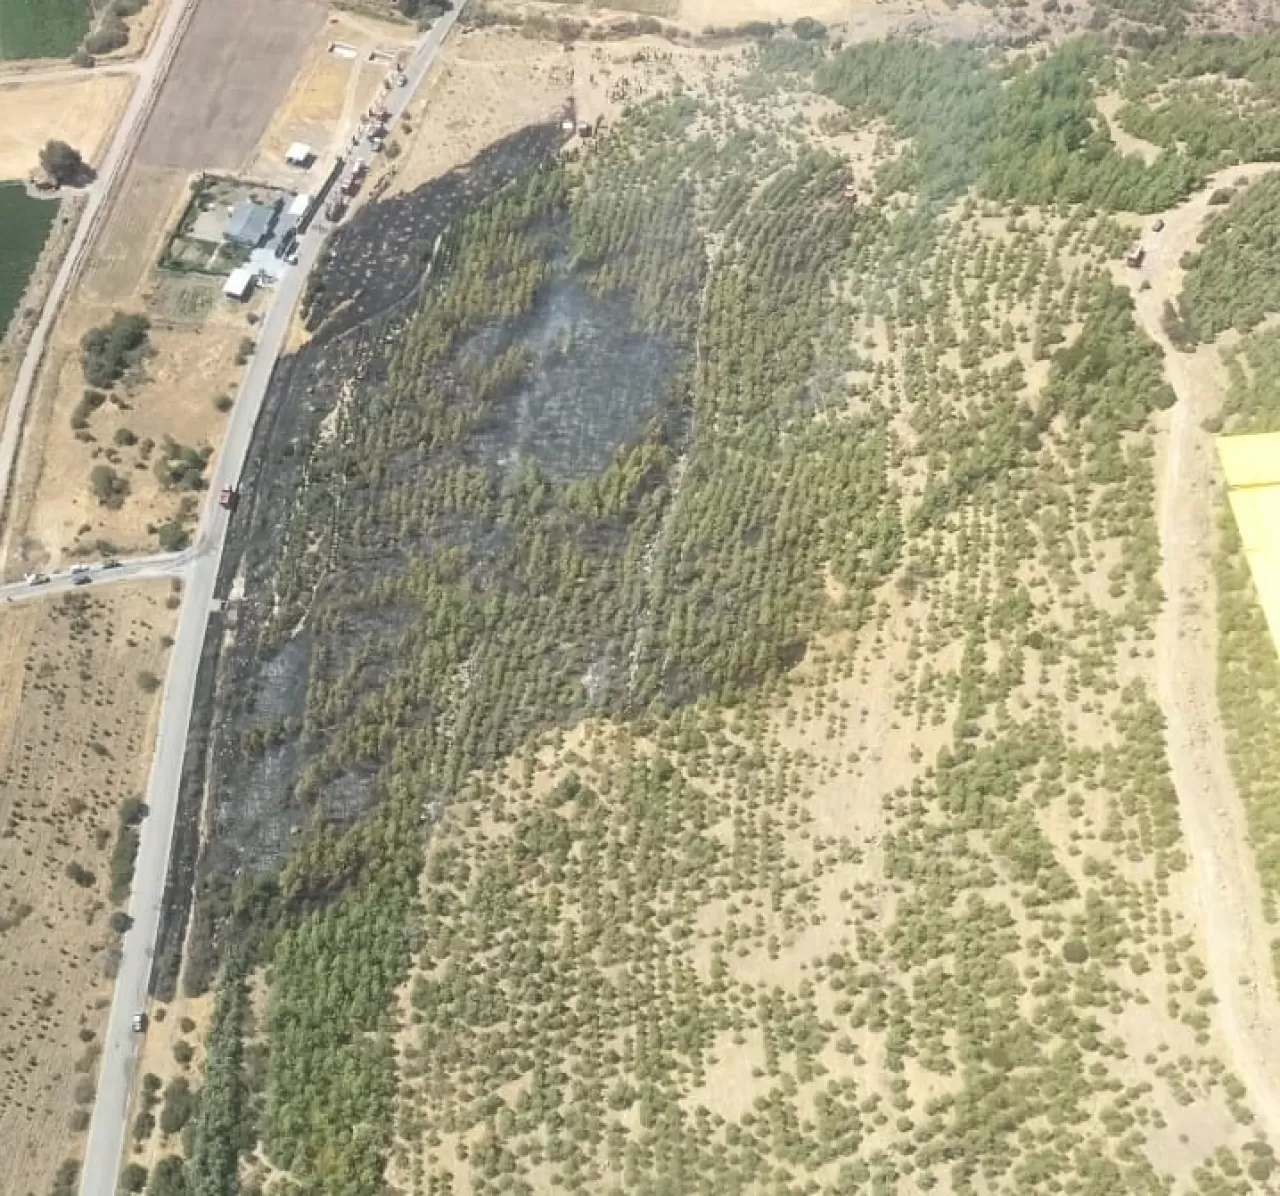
{"x":75,"y":735}
{"x":233,"y":68}
{"x":82,"y":112}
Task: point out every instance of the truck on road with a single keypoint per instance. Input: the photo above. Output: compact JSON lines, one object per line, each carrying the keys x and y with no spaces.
{"x":228,"y":496}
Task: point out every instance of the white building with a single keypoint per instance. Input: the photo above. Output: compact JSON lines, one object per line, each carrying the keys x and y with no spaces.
{"x":239,"y":284}
{"x":300,"y":154}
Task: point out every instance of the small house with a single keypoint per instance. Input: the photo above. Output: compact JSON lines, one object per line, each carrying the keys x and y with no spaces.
{"x":250,"y":224}
{"x":239,"y":284}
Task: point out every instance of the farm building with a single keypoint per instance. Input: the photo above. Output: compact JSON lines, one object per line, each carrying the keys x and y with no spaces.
{"x":300,"y":154}
{"x":239,"y":284}
{"x":250,"y":224}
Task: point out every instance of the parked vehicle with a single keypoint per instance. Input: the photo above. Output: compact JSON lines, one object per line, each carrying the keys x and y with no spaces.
{"x":228,"y":496}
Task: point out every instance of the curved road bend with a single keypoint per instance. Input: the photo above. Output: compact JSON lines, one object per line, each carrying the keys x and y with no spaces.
{"x":108,"y":1128}
{"x":150,"y":70}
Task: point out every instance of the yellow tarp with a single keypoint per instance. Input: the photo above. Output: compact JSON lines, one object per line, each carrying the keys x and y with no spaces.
{"x":1251,"y":465}
{"x":1250,"y":460}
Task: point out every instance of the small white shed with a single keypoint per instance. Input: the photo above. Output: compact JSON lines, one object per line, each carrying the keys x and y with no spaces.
{"x":300,"y":154}
{"x":239,"y":284}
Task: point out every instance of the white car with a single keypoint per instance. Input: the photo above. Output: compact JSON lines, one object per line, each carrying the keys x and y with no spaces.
{"x":139,"y":1022}
{"x":79,"y":569}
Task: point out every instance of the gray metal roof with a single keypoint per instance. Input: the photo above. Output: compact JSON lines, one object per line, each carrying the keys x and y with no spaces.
{"x":250,"y":223}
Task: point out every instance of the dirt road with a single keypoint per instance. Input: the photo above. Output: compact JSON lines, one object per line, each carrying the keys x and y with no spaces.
{"x":1213,"y":818}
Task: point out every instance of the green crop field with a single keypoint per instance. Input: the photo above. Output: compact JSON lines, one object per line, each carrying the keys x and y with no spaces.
{"x":25,"y":222}
{"x":42,"y":28}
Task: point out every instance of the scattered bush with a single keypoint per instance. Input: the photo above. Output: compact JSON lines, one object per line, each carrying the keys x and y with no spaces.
{"x":173,"y":537}
{"x":64,"y":164}
{"x":106,"y":353}
{"x":110,"y":35}
{"x":79,"y":874}
{"x":1074,"y":951}
{"x":168,"y":1178}
{"x":808,"y":29}
{"x":179,"y":1104}
{"x":109,"y":486}
{"x":67,"y":1178}
{"x":89,"y":402}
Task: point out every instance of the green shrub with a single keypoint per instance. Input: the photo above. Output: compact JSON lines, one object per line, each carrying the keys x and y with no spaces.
{"x":109,"y":486}
{"x":179,"y":1104}
{"x":106,"y":353}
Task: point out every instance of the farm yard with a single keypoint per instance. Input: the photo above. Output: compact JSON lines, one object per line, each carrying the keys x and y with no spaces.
{"x":690,"y":690}
{"x":78,"y":699}
{"x":42,"y":28}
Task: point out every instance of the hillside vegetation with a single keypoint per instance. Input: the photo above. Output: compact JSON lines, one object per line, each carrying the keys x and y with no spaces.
{"x":728,"y":607}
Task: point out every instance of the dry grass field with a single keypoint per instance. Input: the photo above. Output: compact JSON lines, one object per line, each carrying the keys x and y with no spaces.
{"x":233,"y":68}
{"x":77,"y":715}
{"x":490,"y":83}
{"x":82,"y":112}
{"x":195,"y":336}
{"x":150,"y":201}
{"x":328,"y":96}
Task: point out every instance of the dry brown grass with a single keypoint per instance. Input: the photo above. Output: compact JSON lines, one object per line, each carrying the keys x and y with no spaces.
{"x":149,"y":202}
{"x":491,"y":83}
{"x":195,"y":335}
{"x":82,"y":111}
{"x":327,"y":98}
{"x":75,"y":737}
{"x":169,"y":1027}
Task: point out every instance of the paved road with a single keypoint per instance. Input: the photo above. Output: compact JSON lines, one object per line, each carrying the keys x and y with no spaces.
{"x":107,"y":1130}
{"x":98,"y":574}
{"x":151,"y":71}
